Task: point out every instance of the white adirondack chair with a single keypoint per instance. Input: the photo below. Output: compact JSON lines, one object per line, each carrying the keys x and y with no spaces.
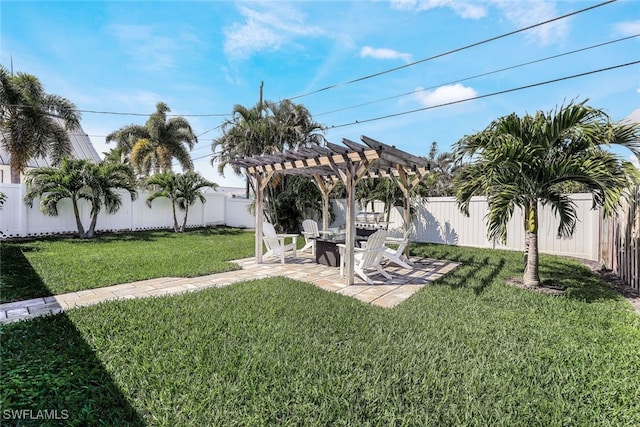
{"x":310,"y":233}
{"x":367,"y":258}
{"x":396,"y":256}
{"x":276,"y":243}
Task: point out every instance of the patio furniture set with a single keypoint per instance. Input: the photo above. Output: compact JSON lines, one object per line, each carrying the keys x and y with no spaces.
{"x":374,"y":248}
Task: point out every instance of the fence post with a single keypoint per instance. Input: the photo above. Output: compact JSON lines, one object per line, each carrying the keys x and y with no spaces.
{"x":24,"y":226}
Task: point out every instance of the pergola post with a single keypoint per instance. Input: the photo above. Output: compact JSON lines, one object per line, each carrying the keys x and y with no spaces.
{"x":325,"y":188}
{"x":259,"y":183}
{"x":350,"y":238}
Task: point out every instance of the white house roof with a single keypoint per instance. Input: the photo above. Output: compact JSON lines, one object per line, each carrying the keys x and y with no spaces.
{"x":81,"y":148}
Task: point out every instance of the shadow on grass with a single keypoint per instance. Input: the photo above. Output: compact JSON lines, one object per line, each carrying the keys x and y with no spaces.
{"x":51,"y":376}
{"x":578,"y":281}
{"x":482,"y":267}
{"x":17,"y":276}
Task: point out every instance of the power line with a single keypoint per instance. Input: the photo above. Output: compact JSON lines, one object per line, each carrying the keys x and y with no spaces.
{"x":486,"y":95}
{"x":333,"y":86}
{"x":146,"y":115}
{"x":478,"y":75}
{"x":357,"y":122}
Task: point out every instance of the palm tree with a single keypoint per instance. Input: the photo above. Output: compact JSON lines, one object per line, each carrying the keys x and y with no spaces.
{"x":523,"y":161}
{"x":181,"y":189}
{"x":103,"y":179}
{"x":153,"y":147}
{"x":30,"y":121}
{"x":79,"y":180}
{"x":265,"y":128}
{"x":439,"y":182}
{"x":243,"y":135}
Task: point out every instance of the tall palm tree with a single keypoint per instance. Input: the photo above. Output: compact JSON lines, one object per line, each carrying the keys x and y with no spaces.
{"x":181,"y":189}
{"x":265,"y":128}
{"x":79,"y":180}
{"x":153,"y":147}
{"x":523,"y":161}
{"x":244,"y":134}
{"x":28,"y":124}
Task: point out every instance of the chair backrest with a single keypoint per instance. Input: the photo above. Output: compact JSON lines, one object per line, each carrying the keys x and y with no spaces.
{"x":375,"y":247}
{"x":310,"y":228}
{"x":269,"y":236}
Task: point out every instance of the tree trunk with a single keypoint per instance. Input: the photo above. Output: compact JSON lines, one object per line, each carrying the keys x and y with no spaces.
{"x":184,"y":221}
{"x":531,"y":272}
{"x":525,"y":256}
{"x":92,"y":227}
{"x":175,"y":219}
{"x":76,"y":212}
{"x":15,"y":175}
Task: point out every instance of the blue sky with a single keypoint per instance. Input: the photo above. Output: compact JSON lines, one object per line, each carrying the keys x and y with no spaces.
{"x":203,"y":57}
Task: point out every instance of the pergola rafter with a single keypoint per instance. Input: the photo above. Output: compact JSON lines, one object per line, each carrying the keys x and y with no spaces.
{"x":347,"y":163}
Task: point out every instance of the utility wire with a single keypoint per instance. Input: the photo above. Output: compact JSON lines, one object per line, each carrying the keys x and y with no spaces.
{"x":357,"y":122}
{"x":333,"y":86}
{"x":477,"y":75}
{"x":486,"y":95}
{"x":146,"y":115}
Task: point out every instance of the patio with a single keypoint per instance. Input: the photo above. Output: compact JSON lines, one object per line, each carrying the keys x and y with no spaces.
{"x":385,"y":294}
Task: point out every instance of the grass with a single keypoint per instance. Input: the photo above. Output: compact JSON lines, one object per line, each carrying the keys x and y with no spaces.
{"x":54,"y":266}
{"x":468,"y":350}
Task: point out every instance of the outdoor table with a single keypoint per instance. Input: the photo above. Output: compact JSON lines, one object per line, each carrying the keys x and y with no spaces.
{"x":327,"y":250}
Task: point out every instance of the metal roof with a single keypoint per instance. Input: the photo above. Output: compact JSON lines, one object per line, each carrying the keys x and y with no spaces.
{"x":81,"y":148}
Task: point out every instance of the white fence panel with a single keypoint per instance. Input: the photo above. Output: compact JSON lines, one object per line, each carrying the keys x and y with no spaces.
{"x":438,"y":220}
{"x":237,"y":213}
{"x":13,"y":216}
{"x":18,"y":220}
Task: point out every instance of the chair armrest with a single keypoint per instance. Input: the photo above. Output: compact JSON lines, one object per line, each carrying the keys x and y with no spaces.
{"x":396,"y":240}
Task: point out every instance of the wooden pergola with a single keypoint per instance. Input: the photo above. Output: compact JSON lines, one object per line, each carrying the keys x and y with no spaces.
{"x":330,"y":164}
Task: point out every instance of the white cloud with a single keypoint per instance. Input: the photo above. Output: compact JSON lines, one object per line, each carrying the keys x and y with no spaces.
{"x":520,"y":13}
{"x":629,"y":28}
{"x":636,"y":162}
{"x":266,"y":29}
{"x":382,"y":53}
{"x":444,"y":94}
{"x":466,"y":10}
{"x":526,"y":13}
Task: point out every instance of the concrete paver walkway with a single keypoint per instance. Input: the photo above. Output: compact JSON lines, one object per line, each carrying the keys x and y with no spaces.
{"x":387,"y":293}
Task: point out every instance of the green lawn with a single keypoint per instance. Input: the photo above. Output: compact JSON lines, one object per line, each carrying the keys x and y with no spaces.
{"x":57,"y":265}
{"x":467,"y":350}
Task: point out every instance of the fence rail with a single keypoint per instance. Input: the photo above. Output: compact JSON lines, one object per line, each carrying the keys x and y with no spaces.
{"x":620,"y":237}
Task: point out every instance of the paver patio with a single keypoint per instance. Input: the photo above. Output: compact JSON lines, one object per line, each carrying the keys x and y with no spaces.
{"x":386,"y":293}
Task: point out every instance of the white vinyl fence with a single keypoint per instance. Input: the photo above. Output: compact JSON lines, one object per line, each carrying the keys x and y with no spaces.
{"x":438,"y":220}
{"x":18,"y":220}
